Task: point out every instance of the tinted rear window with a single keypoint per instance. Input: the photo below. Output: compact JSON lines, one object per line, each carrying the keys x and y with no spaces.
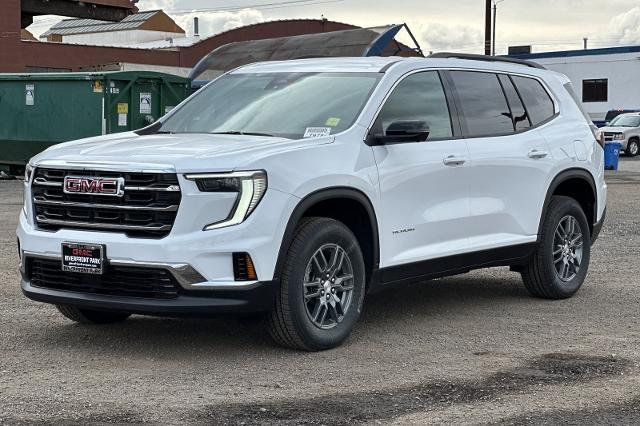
{"x":536,"y":99}
{"x":483,"y":106}
{"x":518,"y":113}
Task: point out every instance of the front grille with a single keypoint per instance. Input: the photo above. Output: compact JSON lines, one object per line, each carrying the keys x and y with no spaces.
{"x":148,"y":207}
{"x":139,"y":282}
{"x":608,"y":137}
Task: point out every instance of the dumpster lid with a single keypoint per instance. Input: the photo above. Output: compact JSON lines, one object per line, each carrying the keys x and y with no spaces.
{"x":377,"y":41}
{"x":114,"y":75}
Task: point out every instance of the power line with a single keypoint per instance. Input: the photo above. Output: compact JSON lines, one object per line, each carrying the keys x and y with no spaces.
{"x":258,"y":6}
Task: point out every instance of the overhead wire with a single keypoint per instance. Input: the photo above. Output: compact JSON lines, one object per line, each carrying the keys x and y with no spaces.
{"x":258,"y":6}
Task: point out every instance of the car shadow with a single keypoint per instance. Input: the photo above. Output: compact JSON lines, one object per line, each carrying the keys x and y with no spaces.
{"x":407,"y":304}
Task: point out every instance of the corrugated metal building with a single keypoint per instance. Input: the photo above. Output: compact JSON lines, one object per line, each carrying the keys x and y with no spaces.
{"x":139,"y":28}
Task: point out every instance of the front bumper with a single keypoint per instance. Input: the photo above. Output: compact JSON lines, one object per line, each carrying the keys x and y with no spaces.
{"x":258,"y":298}
{"x":209,"y":254}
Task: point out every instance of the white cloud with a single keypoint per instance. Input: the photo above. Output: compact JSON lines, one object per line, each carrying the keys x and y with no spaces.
{"x":625,"y":27}
{"x":213,"y":23}
{"x":440,"y":37}
{"x":210,"y":22}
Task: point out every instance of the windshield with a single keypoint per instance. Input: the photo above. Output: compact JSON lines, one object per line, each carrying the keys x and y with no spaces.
{"x":289,"y":105}
{"x":626,"y":121}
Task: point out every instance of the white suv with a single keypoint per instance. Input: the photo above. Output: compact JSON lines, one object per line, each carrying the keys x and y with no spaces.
{"x":294,"y":188}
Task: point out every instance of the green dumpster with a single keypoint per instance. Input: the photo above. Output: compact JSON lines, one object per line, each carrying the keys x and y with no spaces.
{"x":40,"y":110}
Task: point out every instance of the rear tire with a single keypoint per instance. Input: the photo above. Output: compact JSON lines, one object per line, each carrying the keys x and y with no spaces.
{"x":322,"y":287}
{"x":632,"y":148}
{"x":560,"y":263}
{"x":86,"y":316}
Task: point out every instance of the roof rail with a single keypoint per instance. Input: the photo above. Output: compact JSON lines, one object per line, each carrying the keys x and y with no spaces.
{"x":472,"y":57}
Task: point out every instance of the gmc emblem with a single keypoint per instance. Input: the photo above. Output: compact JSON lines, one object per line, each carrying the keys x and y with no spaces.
{"x":94,"y":185}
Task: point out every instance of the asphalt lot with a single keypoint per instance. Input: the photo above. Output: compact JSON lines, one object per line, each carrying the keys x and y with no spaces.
{"x":472,"y":349}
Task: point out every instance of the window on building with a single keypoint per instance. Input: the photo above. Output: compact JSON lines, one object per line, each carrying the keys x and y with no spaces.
{"x":483,"y":106}
{"x":595,"y":90}
{"x":418,"y":97}
{"x":536,"y":99}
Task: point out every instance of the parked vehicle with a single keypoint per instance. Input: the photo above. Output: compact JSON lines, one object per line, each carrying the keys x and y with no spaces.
{"x":613,"y":113}
{"x":624,"y":129}
{"x":295,"y":188}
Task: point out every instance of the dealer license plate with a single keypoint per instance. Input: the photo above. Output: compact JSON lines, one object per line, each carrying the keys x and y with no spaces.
{"x":83,"y":258}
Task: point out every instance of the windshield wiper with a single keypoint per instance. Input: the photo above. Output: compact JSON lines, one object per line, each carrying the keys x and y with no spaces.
{"x":243,"y":133}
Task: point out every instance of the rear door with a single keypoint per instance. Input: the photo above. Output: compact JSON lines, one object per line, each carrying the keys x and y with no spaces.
{"x":510,"y":159}
{"x":424,"y":185}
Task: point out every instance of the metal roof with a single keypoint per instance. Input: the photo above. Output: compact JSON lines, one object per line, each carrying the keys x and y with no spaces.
{"x":345,"y":43}
{"x":89,"y":26}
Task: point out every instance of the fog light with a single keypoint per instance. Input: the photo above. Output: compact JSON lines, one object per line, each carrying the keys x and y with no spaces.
{"x":243,"y":268}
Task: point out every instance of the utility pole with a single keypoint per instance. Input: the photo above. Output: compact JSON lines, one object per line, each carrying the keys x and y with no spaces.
{"x":487,"y":28}
{"x":585,"y":41}
{"x":495,"y":14}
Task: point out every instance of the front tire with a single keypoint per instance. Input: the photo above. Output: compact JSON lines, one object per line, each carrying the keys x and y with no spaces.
{"x":322,"y":287}
{"x":632,"y":148}
{"x":559,"y":265}
{"x":87,"y":316}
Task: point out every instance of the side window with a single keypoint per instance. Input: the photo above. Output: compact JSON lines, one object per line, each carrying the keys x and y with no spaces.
{"x":536,"y":99}
{"x":518,"y":113}
{"x":483,"y":106}
{"x":418,"y":97}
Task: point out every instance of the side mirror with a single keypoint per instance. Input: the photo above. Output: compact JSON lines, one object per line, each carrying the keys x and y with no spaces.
{"x":401,"y":132}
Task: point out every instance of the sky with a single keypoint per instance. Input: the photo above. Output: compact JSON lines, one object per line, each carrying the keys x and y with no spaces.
{"x":438,"y":25}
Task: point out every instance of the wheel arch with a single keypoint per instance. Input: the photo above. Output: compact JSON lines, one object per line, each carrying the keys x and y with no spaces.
{"x":578,"y":184}
{"x":316,"y":202}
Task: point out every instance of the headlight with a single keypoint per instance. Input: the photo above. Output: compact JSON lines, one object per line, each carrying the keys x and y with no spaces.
{"x":250,"y":187}
{"x":618,"y":137}
{"x":28,"y":171}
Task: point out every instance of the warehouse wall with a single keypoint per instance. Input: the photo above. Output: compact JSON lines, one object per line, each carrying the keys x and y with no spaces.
{"x":10,"y":54}
{"x":111,"y":38}
{"x":622,"y":71}
{"x":17,"y":56}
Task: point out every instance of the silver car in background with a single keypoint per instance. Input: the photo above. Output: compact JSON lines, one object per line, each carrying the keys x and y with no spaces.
{"x":625,"y":129}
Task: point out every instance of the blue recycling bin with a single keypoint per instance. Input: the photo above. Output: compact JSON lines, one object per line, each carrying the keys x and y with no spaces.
{"x":611,"y":155}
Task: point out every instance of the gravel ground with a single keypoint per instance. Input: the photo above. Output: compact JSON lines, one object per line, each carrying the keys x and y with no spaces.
{"x":472,"y":349}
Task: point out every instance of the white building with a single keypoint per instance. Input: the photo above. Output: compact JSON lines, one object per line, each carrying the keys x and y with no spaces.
{"x":142,"y":27}
{"x":604,"y":79}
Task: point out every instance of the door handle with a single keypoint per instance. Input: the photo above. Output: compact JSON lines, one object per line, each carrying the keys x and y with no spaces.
{"x":537,"y":154}
{"x":452,"y":160}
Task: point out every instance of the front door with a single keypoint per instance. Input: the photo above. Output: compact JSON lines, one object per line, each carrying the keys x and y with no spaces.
{"x":423,"y":185}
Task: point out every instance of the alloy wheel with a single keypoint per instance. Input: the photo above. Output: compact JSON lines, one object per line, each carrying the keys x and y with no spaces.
{"x":328,"y":286}
{"x":567,"y":245}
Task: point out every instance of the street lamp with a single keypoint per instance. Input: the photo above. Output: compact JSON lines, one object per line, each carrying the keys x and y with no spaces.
{"x":495,"y":12}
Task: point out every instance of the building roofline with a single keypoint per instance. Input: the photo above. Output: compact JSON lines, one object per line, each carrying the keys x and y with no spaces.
{"x":581,"y":52}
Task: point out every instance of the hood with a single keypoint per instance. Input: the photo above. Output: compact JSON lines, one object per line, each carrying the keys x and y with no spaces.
{"x":174,"y":152}
{"x":611,"y":129}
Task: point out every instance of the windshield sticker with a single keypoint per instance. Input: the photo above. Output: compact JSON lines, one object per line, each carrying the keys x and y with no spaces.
{"x":333,"y":121}
{"x":317,"y":132}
